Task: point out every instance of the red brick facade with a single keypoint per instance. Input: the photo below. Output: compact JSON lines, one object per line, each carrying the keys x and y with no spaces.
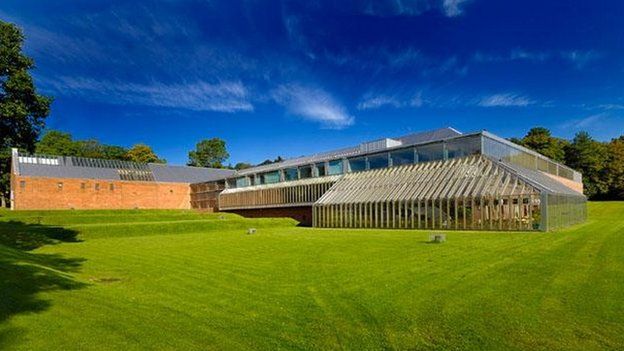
{"x":39,"y":193}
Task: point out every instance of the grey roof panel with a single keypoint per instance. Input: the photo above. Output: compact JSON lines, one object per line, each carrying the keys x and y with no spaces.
{"x":55,"y":171}
{"x":182,"y":174}
{"x":75,"y":167}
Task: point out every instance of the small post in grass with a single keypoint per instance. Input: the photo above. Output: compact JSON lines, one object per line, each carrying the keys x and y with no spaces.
{"x":437,"y":238}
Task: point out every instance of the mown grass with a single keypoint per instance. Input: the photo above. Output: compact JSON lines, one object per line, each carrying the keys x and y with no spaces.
{"x":128,"y":280}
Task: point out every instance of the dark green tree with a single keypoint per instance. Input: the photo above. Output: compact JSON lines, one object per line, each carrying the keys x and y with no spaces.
{"x":540,"y":139}
{"x":589,"y":157}
{"x":22,"y":109}
{"x":143,"y":154}
{"x":615,"y":168}
{"x":242,"y":165}
{"x":56,"y":143}
{"x":209,"y":153}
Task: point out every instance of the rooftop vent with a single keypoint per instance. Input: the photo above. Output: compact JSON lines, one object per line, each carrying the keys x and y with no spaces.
{"x":380,"y":144}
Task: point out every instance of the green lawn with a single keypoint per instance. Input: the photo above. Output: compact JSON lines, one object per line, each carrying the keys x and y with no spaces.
{"x":124,"y":280}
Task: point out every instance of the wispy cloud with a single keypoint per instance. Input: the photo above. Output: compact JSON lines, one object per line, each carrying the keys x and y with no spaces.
{"x":374,"y":101}
{"x":313,"y":104}
{"x":231,"y":96}
{"x":513,"y":55}
{"x":450,"y":8}
{"x":583,"y":123}
{"x":580,"y":59}
{"x":505,"y":100}
{"x":453,"y":8}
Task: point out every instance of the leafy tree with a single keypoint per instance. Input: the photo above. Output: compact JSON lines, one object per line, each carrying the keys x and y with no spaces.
{"x":590,"y":158}
{"x":114,"y":152}
{"x":22,"y":109}
{"x":268,"y":162}
{"x":540,"y":139}
{"x":209,"y":153}
{"x":144,"y":154}
{"x":242,"y":165}
{"x":58,"y":143}
{"x":615,"y":168}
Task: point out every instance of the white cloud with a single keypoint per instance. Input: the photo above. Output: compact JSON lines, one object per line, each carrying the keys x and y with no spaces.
{"x":312,"y":104}
{"x":513,"y":55}
{"x":374,"y":101}
{"x":452,"y":8}
{"x":505,"y":100}
{"x":579,"y":58}
{"x":198,"y":96}
{"x":583,"y":123}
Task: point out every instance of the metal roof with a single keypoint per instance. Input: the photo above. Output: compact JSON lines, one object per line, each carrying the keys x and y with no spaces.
{"x":406,"y":140}
{"x":185,"y":174}
{"x":88,"y":168}
{"x":540,"y":180}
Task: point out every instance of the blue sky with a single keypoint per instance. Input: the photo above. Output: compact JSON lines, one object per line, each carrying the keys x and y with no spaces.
{"x":293,"y":78}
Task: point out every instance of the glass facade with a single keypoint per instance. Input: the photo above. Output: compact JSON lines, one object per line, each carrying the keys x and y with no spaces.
{"x":561,"y":210}
{"x":305,"y":172}
{"x":335,"y":167}
{"x":402,"y":157}
{"x":269,"y":177}
{"x":320,"y":169}
{"x":378,"y":161}
{"x":431,"y":152}
{"x":509,"y":153}
{"x":462,"y":147}
{"x":357,"y":164}
{"x":242,"y":182}
{"x":290,"y":174}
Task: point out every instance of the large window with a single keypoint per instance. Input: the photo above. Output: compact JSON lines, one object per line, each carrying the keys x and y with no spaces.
{"x":271,"y":177}
{"x":402,"y":157}
{"x":378,"y":161}
{"x":320,"y":169}
{"x":431,"y":152}
{"x":242,"y":182}
{"x":290,"y":174}
{"x":464,"y":146}
{"x":357,"y":164}
{"x":335,"y":167}
{"x":305,"y":172}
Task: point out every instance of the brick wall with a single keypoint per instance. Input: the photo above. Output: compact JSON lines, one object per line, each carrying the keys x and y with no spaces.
{"x":30,"y":193}
{"x":302,"y":214}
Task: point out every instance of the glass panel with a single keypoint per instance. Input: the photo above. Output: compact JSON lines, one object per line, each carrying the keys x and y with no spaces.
{"x":357,"y":164}
{"x":335,"y":167}
{"x":258,"y":179}
{"x":430,"y":152}
{"x":242,"y":182}
{"x":464,"y":146}
{"x":305,"y":172}
{"x":402,"y":157}
{"x":290,"y":174}
{"x":271,"y":177}
{"x":378,"y":161}
{"x":231,"y":183}
{"x":508,"y":153}
{"x":320,"y":169}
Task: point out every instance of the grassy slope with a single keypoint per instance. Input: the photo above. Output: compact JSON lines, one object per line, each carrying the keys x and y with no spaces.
{"x":183,"y":280}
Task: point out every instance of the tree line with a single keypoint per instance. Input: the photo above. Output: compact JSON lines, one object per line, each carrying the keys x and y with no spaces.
{"x":23,"y":112}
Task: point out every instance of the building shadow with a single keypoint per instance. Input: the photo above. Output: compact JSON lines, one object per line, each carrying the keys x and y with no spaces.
{"x":25,"y":274}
